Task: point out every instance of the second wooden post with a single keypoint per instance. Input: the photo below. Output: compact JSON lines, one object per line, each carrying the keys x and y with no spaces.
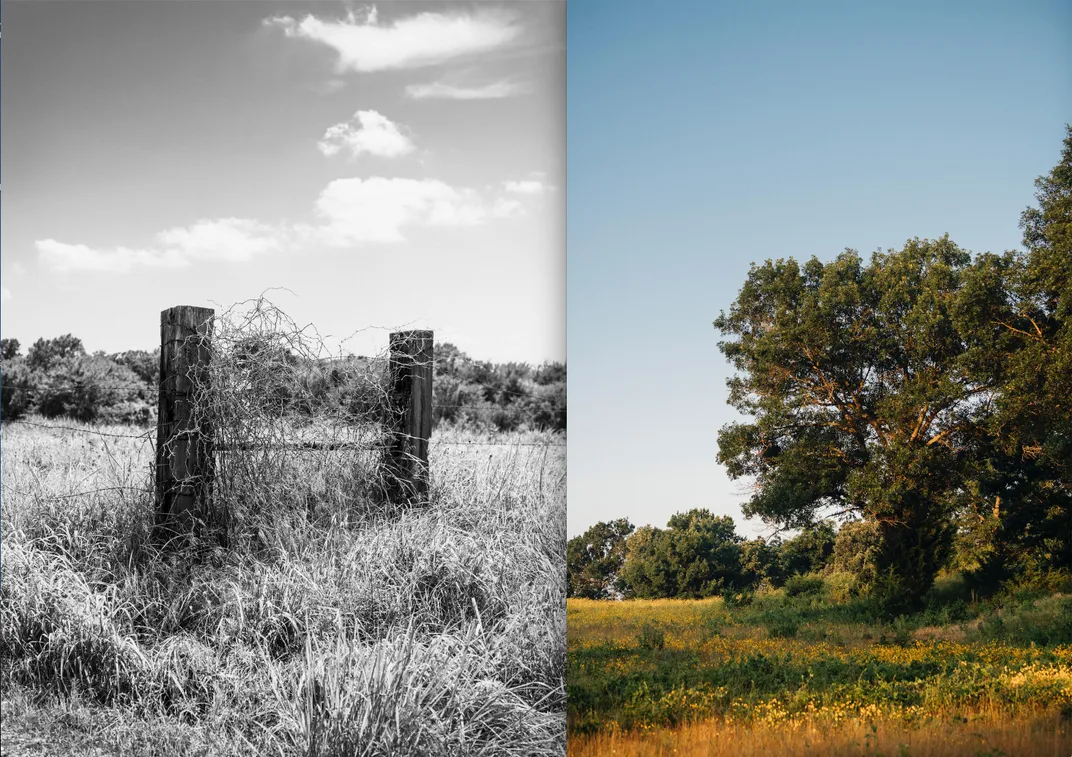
{"x":185,"y":461}
{"x":410,"y":398}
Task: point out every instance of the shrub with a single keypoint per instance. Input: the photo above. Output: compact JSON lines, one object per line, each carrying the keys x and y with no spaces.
{"x":808,"y":585}
{"x":855,"y":549}
{"x":840,"y":587}
{"x":651,"y":636}
{"x":732,"y":598}
{"x":1045,"y":621}
{"x":783,"y":625}
{"x":16,"y":380}
{"x":86,"y":387}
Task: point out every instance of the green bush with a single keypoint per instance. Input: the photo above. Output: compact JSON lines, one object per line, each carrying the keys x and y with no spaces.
{"x":783,"y":625}
{"x":840,"y":587}
{"x":651,"y":636}
{"x":806,"y":585}
{"x":1046,"y":621}
{"x":855,"y":551}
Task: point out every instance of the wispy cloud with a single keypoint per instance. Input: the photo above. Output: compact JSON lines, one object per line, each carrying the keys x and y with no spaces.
{"x":64,"y":258}
{"x":424,"y":39}
{"x":443,"y":91}
{"x":368,"y":132}
{"x":347,"y":212}
{"x":223,"y":239}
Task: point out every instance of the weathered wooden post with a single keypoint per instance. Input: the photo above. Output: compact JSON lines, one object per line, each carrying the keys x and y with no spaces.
{"x":410,"y":398}
{"x":185,"y":461}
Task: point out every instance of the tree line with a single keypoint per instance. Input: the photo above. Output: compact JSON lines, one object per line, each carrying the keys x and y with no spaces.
{"x":58,"y":378}
{"x":925,"y":393}
{"x":700,"y":554}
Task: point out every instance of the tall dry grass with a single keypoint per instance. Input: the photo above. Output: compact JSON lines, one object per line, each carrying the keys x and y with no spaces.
{"x":975,"y":734}
{"x":331,"y":628}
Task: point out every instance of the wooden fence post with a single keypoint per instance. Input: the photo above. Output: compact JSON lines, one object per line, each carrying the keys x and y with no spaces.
{"x":410,"y":396}
{"x":185,"y":461}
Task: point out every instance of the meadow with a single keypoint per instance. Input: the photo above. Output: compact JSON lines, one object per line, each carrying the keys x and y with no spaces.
{"x":339,"y":629}
{"x":809,"y":675}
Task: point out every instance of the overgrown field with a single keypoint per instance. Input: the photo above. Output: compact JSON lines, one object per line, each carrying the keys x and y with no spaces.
{"x":808,"y":676}
{"x":328,"y":629}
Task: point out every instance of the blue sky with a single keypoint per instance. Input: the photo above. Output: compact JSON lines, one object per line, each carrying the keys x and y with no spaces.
{"x":704,"y":136}
{"x":392,"y":165}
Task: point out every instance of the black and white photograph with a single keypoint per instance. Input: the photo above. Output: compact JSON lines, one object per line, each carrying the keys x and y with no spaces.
{"x":283,"y":378}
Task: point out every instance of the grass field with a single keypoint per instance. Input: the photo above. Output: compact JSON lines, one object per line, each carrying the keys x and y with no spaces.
{"x":335,"y":631}
{"x":807,"y":676}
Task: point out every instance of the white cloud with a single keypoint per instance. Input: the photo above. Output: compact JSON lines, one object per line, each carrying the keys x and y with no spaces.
{"x":231,"y":239}
{"x":526,"y":187}
{"x":5,"y":294}
{"x":63,"y":258}
{"x":374,"y":134}
{"x":443,"y":91}
{"x":348,"y":212}
{"x":354,"y":211}
{"x":413,"y":41}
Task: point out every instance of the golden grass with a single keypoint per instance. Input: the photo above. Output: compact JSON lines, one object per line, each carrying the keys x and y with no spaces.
{"x":973,"y":735}
{"x":695,"y":677}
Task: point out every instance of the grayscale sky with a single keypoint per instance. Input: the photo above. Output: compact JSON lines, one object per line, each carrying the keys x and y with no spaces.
{"x":704,"y":136}
{"x":392,"y":165}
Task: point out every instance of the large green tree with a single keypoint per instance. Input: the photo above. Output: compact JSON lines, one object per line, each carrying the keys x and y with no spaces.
{"x":859,"y":380}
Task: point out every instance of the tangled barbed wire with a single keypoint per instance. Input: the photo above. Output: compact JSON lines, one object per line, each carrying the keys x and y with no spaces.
{"x":283,"y":426}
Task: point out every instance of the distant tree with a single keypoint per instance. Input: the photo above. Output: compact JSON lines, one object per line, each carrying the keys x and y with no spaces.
{"x":698,"y":555}
{"x":9,"y":348}
{"x":594,"y":560}
{"x":550,"y":373}
{"x":144,"y":363}
{"x":17,"y":389}
{"x":761,"y":562}
{"x":642,"y":573}
{"x":858,"y":380}
{"x":546,"y":408}
{"x":503,"y":396}
{"x":810,"y":550}
{"x":47,"y":352}
{"x":855,"y":550}
{"x":90,"y":388}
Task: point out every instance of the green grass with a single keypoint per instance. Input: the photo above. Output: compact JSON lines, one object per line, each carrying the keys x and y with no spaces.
{"x":806,"y":654}
{"x":332,"y":630}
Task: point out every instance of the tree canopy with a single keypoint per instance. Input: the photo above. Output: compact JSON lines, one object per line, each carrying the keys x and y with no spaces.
{"x":911,"y":388}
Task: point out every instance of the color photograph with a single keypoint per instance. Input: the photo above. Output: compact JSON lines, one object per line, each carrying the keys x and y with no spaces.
{"x":820,"y":290}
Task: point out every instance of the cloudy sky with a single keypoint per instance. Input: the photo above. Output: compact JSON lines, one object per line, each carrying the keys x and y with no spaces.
{"x":708,"y":135}
{"x":392,"y":165}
